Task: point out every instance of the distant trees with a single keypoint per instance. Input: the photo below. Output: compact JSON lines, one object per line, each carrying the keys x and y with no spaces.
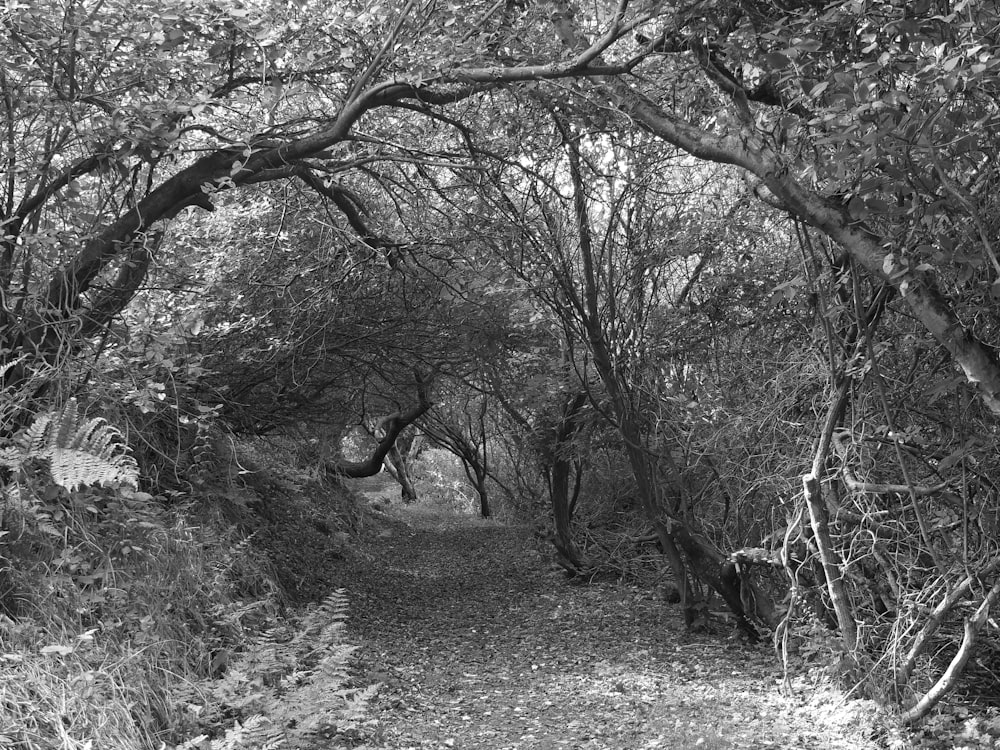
{"x":609,"y":257}
{"x":461,"y":426}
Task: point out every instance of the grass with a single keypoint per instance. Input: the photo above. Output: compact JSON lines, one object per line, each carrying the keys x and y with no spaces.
{"x":126,"y":618}
{"x":121,"y":604}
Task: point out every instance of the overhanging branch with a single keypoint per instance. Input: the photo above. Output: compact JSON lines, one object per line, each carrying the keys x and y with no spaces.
{"x":393,"y":425}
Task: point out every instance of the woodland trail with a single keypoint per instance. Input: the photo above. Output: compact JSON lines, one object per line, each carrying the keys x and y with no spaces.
{"x":477,"y":643}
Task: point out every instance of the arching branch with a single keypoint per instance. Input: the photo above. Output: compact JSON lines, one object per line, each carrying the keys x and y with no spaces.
{"x":393,"y":425}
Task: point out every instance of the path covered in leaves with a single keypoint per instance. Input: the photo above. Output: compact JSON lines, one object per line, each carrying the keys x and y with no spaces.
{"x":478,"y":643}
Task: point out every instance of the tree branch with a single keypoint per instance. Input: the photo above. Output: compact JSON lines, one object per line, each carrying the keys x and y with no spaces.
{"x":393,"y":425}
{"x":950,"y":676}
{"x":121,"y":291}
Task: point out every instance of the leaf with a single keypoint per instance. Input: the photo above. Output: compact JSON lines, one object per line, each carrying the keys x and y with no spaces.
{"x":818,"y":89}
{"x":878,"y":205}
{"x":951,"y":459}
{"x":951,"y":63}
{"x":56,"y":649}
{"x":777,"y":60}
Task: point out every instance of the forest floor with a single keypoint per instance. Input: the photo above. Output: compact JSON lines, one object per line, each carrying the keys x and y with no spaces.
{"x":477,"y":642}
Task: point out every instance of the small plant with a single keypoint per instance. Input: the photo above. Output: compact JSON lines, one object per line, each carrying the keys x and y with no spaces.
{"x":958,"y":727}
{"x":114,"y":597}
{"x":289,"y":689}
{"x":77,"y":452}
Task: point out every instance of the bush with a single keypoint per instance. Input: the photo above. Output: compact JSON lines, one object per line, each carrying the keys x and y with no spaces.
{"x":440,"y":481}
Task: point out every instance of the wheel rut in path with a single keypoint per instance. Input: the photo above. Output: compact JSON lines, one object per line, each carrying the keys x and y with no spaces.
{"x":478,"y":643}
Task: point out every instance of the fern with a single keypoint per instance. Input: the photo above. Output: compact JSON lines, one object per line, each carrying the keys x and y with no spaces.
{"x":324,"y":623}
{"x":256,"y":732}
{"x":78,"y":453}
{"x":298,"y":682}
{"x":204,"y":457}
{"x":8,"y":365}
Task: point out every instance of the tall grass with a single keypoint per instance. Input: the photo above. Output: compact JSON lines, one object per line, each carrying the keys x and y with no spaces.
{"x":115,"y":606}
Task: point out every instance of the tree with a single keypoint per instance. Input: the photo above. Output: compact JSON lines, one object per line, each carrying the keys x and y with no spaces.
{"x":791,"y":100}
{"x":461,"y":427}
{"x":99,"y":159}
{"x":401,"y":455}
{"x":391,"y":427}
{"x":560,"y":469}
{"x":601,"y":261}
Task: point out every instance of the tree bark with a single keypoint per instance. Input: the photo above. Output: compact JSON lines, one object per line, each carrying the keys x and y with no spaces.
{"x":398,"y":467}
{"x":820,"y":521}
{"x":483,"y":492}
{"x":673,"y":534}
{"x":937,"y":617}
{"x":947,"y":680}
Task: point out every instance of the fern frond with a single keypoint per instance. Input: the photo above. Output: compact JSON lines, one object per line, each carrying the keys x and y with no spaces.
{"x":356,"y":706}
{"x":10,"y":458}
{"x":332,"y":610}
{"x":256,"y":732}
{"x":32,"y":440}
{"x":93,"y":452}
{"x":300,"y":683}
{"x":8,"y":365}
{"x":65,"y":425}
{"x":92,"y":433}
{"x":333,"y":668}
{"x":78,"y":468}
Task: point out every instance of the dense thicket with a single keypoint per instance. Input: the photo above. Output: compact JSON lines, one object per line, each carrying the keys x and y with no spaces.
{"x":721,"y":276}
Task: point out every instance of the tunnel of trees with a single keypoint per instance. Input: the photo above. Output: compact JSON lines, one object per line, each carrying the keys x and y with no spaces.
{"x":718,"y":278}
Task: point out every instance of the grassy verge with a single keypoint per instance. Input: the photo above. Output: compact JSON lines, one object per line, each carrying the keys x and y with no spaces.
{"x":131,"y":621}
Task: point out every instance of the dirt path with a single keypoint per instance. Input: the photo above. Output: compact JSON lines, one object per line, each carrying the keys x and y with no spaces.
{"x":477,"y":644}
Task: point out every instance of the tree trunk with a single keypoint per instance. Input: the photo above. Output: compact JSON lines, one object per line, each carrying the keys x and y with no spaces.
{"x":397,"y":466}
{"x":947,"y":680}
{"x":481,"y":490}
{"x":954,"y":598}
{"x":672,"y":533}
{"x":570,"y":556}
{"x":820,"y":522}
{"x":559,"y":473}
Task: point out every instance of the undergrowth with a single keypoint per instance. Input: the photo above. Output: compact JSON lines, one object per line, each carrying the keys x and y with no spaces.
{"x":130,"y":620}
{"x":289,"y":688}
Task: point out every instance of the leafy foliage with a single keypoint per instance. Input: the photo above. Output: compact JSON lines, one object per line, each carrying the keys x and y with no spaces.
{"x":288,"y":689}
{"x":269,"y":212}
{"x":122,"y":599}
{"x":76,"y":452}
